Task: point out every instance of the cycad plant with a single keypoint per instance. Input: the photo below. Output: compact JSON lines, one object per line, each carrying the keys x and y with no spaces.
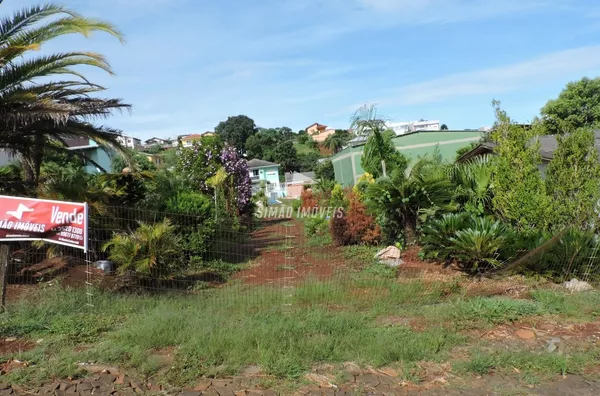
{"x":400,"y":201}
{"x":436,"y":235}
{"x":478,"y":247}
{"x":151,"y":250}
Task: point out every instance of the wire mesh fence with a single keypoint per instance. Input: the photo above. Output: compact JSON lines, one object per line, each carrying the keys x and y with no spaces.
{"x":133,"y":250}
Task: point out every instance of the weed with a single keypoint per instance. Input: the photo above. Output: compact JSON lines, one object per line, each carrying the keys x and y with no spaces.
{"x":285,"y":268}
{"x":480,"y":311}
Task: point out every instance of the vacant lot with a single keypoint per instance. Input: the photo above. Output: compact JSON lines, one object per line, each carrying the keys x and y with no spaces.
{"x":364,"y":333}
{"x":303,"y":317}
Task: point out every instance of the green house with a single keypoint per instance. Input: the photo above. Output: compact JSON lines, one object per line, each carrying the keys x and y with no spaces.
{"x":348,"y":169}
{"x":268,"y":172}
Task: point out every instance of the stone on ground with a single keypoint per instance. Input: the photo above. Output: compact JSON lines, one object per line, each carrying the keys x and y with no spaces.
{"x":390,"y":256}
{"x":575,"y":285}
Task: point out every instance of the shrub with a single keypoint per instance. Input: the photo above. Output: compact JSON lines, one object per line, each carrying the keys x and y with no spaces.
{"x":338,"y":199}
{"x":192,"y":215}
{"x":573,"y":255}
{"x":190,"y":203}
{"x":308,"y":199}
{"x":355,"y":226}
{"x":296,"y":204}
{"x":152,"y":249}
{"x":362,"y":184}
{"x":316,"y":226}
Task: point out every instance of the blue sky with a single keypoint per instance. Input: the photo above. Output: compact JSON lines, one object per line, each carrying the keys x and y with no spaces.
{"x":189,"y":64}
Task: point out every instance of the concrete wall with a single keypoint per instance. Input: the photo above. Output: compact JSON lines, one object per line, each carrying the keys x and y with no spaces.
{"x":348,"y":169}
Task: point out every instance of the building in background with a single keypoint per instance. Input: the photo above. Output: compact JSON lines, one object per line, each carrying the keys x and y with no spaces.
{"x":267,"y":172}
{"x":188,"y":141}
{"x":130,"y":142}
{"x":295,"y":182}
{"x":347,"y":163}
{"x":155,"y":141}
{"x":414,"y":126}
{"x":156,"y":159}
{"x":100,"y":158}
{"x":319,"y":132}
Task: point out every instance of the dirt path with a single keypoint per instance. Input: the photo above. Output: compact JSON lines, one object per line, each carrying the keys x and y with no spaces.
{"x":284,"y":256}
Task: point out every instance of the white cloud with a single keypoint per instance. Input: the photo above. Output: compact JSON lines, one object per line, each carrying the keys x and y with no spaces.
{"x":494,"y":81}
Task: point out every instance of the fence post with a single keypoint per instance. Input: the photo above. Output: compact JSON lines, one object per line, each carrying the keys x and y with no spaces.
{"x":4,"y":251}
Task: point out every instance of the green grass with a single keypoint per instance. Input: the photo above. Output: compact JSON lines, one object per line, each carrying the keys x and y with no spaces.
{"x":304,"y":149}
{"x":532,"y":366}
{"x":219,"y":332}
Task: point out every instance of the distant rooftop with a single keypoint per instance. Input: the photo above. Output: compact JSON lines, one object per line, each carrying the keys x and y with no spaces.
{"x":258,"y":163}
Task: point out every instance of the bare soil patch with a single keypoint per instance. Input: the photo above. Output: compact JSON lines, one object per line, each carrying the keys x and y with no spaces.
{"x":284,"y":257}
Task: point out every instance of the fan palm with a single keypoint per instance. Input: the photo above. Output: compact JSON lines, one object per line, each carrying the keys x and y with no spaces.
{"x":34,"y":110}
{"x":473,"y":182}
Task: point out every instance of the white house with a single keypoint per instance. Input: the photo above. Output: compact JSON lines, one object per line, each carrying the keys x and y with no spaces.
{"x":405,"y":127}
{"x":155,"y":141}
{"x":129,"y":142}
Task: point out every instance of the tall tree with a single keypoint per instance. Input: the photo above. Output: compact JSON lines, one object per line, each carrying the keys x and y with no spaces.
{"x":285,"y":155}
{"x":573,"y":180}
{"x":366,"y":122}
{"x":35,"y":110}
{"x":236,"y":130}
{"x":519,"y":191}
{"x":577,"y":106}
{"x":380,"y":149}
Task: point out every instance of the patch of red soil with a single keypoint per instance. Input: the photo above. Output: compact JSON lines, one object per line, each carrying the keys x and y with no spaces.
{"x":18,"y":292}
{"x":414,"y":267}
{"x":285,"y":258}
{"x":10,"y":348}
{"x":77,"y":276}
{"x":543,"y":330}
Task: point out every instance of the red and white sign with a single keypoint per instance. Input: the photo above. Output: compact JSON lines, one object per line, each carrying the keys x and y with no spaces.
{"x":30,"y":219}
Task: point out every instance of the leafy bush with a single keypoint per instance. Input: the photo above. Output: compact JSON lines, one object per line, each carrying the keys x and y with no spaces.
{"x":296,"y":204}
{"x":354,"y":226}
{"x":190,"y":203}
{"x":362,"y":184}
{"x":338,"y":198}
{"x":308,"y":199}
{"x":152,"y":249}
{"x":316,"y":226}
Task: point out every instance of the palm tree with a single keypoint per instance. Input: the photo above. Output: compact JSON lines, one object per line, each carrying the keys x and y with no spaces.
{"x":365,"y":122}
{"x":404,"y":201}
{"x":36,"y":111}
{"x":334,"y":143}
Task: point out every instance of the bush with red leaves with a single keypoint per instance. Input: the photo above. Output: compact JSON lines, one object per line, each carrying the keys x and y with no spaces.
{"x":309,"y":200}
{"x":355,"y":226}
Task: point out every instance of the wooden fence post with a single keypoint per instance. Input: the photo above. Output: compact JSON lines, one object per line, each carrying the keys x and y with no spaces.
{"x":4,"y":252}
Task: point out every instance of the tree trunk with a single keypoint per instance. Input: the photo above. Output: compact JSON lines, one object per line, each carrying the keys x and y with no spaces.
{"x":383,"y":168}
{"x":410,"y":235}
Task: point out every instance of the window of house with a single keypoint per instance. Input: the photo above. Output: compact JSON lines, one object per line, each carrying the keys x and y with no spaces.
{"x":255,"y":172}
